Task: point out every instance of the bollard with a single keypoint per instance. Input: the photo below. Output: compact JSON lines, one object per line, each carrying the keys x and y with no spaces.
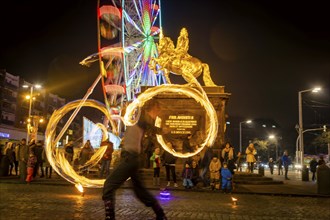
{"x":323,"y":179}
{"x":305,"y":173}
{"x":261,"y":170}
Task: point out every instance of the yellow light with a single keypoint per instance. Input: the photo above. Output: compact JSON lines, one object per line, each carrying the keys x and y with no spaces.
{"x":27,"y":97}
{"x":41,"y":120}
{"x":79,"y":187}
{"x":317,"y":89}
{"x":234,"y":201}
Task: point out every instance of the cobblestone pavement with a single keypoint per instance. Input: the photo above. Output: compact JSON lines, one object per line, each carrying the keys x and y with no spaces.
{"x":38,"y":201}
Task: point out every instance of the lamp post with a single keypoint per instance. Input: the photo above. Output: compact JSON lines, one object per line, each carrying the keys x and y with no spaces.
{"x":30,"y":97}
{"x":240,"y":133}
{"x":300,"y":130}
{"x":272,"y":137}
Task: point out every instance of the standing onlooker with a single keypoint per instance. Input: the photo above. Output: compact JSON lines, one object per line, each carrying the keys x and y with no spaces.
{"x":214,"y":167}
{"x":250,"y":158}
{"x":39,"y":149}
{"x":279,"y":164}
{"x":313,"y":165}
{"x":23,"y":155}
{"x":85,"y":154}
{"x":15,"y":156}
{"x":195,"y":173}
{"x":31,"y":163}
{"x":286,"y":162}
{"x":48,"y":167}
{"x":205,"y":163}
{"x":239,"y":161}
{"x":227,"y":156}
{"x":106,"y":159}
{"x":187,"y":176}
{"x":149,"y":146}
{"x":68,"y":151}
{"x":169,"y":161}
{"x":271,"y":165}
{"x":226,"y":179}
{"x":7,"y":161}
{"x":321,"y":161}
{"x":155,"y":158}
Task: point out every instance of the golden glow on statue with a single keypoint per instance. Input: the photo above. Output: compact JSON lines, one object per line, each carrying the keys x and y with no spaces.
{"x":178,"y":61}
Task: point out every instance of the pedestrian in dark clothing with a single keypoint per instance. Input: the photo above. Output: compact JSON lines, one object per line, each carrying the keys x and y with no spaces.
{"x":313,"y":165}
{"x":7,"y":161}
{"x":195,"y":173}
{"x":321,"y":161}
{"x":187,"y":176}
{"x":149,"y":147}
{"x":239,"y":161}
{"x":286,"y":162}
{"x":205,"y":165}
{"x":279,"y":166}
{"x":169,"y":161}
{"x":227,"y":156}
{"x":23,"y":155}
{"x":106,"y":159}
{"x":38,"y":152}
{"x":271,"y":165}
{"x":129,"y":167}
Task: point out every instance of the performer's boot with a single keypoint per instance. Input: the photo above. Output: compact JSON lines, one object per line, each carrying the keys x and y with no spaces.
{"x":109,"y":210}
{"x":160,"y":215}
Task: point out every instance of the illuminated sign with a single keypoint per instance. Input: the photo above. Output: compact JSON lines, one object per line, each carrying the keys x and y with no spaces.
{"x":4,"y":135}
{"x":179,"y":124}
{"x":92,"y":132}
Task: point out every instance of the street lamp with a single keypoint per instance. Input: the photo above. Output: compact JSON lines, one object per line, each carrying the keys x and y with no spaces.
{"x":300,"y":129}
{"x":240,"y":133}
{"x":31,"y":98}
{"x":272,"y":137}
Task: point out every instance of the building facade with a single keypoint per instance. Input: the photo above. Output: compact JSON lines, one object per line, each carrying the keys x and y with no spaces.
{"x":15,"y":107}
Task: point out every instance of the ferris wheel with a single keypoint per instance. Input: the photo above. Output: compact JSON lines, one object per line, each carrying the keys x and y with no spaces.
{"x":128,"y":32}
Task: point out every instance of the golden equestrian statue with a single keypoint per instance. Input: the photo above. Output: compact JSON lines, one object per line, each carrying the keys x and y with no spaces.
{"x":177,"y":60}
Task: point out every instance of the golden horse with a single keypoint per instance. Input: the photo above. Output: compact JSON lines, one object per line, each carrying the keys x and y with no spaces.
{"x":178,"y":61}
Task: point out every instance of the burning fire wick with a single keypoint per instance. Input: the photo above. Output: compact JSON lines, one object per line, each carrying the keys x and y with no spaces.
{"x":234,"y":200}
{"x":80,"y":188}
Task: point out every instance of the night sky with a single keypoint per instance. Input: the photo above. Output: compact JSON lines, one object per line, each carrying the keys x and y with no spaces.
{"x":263,"y":52}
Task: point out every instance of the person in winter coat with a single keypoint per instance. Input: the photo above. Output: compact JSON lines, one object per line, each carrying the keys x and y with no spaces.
{"x":169,"y":161}
{"x":227,"y":156}
{"x":313,"y":165}
{"x":31,"y":163}
{"x":286,"y":162}
{"x":155,"y":158}
{"x":226,"y":179}
{"x":250,"y":158}
{"x":271,"y":165}
{"x":187,"y":176}
{"x":214,"y":167}
{"x":106,"y":159}
{"x":204,"y":165}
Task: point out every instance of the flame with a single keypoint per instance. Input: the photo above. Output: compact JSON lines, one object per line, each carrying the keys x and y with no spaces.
{"x":79,"y":187}
{"x":233,"y":199}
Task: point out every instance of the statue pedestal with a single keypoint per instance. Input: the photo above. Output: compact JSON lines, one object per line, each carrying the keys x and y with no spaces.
{"x":182,"y":116}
